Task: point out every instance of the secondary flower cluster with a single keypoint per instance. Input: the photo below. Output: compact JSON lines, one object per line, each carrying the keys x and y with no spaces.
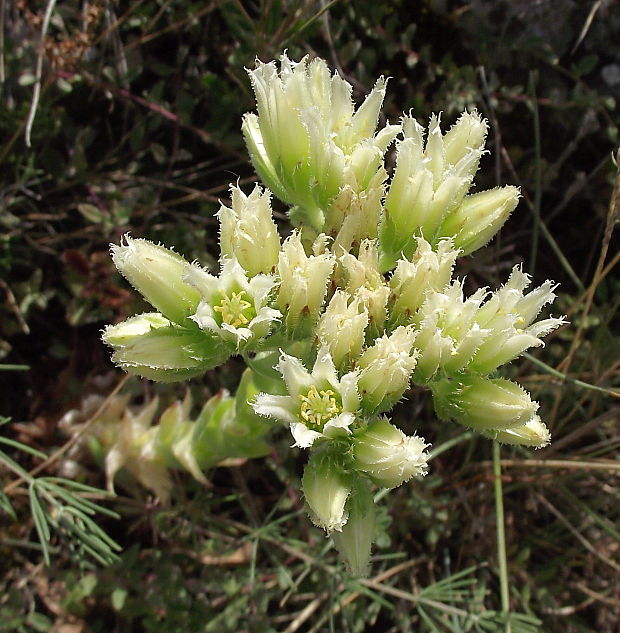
{"x":336,"y":321}
{"x":121,"y":437}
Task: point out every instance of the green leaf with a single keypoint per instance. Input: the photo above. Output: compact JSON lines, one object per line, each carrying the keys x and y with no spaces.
{"x":5,"y":504}
{"x":40,"y":521}
{"x":118,"y":598}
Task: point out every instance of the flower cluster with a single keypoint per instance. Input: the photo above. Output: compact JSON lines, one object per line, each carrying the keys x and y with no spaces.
{"x":127,"y":439}
{"x":338,"y":320}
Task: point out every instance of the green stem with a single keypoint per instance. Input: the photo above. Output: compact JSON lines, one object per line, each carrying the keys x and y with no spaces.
{"x":501,"y":536}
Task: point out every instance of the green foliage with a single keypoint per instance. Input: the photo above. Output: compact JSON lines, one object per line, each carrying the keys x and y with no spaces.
{"x":61,"y":506}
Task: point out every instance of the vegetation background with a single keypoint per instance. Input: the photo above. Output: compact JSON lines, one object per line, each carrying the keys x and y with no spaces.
{"x":133,"y":111}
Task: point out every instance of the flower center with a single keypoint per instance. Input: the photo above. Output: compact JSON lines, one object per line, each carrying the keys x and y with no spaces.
{"x":318,"y":407}
{"x":235,"y":310}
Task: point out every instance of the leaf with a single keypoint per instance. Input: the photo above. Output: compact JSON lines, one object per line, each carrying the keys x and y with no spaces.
{"x":118,"y":598}
{"x":5,"y":504}
{"x":40,"y":521}
{"x":91,"y":212}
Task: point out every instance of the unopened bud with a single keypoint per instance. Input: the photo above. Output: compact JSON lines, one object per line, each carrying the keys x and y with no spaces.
{"x":481,"y":215}
{"x":428,"y":270}
{"x":483,"y":403}
{"x":342,"y":327}
{"x":157,"y":273}
{"x":387,"y":455}
{"x":150,"y":346}
{"x":468,"y":133}
{"x":326,"y":487}
{"x":386,"y":368}
{"x":248,"y":232}
{"x":533,"y":433}
{"x":303,"y":284}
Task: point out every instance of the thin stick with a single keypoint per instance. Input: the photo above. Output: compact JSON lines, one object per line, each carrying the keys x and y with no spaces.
{"x":608,"y":464}
{"x":36,"y":92}
{"x":501,"y":536}
{"x":65,"y":447}
{"x":538,"y":176}
{"x":2,"y":72}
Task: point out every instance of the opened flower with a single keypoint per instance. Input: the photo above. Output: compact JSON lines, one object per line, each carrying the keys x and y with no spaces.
{"x":318,"y":404}
{"x":233,"y":306}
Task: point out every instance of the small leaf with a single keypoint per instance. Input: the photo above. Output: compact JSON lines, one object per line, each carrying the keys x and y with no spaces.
{"x":118,"y":597}
{"x":91,"y":212}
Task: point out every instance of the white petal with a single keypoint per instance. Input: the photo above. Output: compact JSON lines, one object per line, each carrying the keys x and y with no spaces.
{"x":204,"y":317}
{"x":233,"y":276}
{"x":295,"y":375}
{"x":277,"y":407}
{"x":348,"y":391}
{"x":337,"y":425}
{"x":205,"y":283}
{"x":324,"y":369}
{"x":260,"y":287}
{"x":304,"y":437}
{"x":239,"y":334}
{"x":265,"y":314}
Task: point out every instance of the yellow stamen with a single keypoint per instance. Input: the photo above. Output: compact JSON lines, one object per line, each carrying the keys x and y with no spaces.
{"x":318,"y":407}
{"x":234,"y":309}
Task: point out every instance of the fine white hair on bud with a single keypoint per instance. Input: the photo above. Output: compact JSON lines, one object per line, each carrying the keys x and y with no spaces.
{"x":248,"y":232}
{"x":361,"y":277}
{"x":157,"y":274}
{"x":152,"y":347}
{"x":387,"y":455}
{"x":428,"y":270}
{"x":307,"y":141}
{"x":342,"y":327}
{"x":481,"y":215}
{"x":430,"y":182}
{"x":508,"y":315}
{"x":326,"y":487}
{"x":303,"y":284}
{"x":483,"y":404}
{"x":483,"y":331}
{"x":385,"y":369}
{"x":534,"y":433}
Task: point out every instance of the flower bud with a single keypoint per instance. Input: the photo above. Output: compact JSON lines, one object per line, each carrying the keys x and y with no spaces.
{"x":354,"y":542}
{"x":248,"y":232}
{"x":429,"y":183}
{"x":533,"y":433}
{"x":150,"y":346}
{"x":354,"y":213}
{"x":157,"y":274}
{"x":362,"y":278}
{"x":342,"y":327}
{"x":326,"y":487}
{"x":508,"y":315}
{"x":428,"y":270}
{"x":479,"y":217}
{"x":386,"y":368}
{"x":387,"y":455}
{"x":483,"y":404}
{"x":307,"y":142}
{"x":303,"y":284}
{"x":468,"y":133}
